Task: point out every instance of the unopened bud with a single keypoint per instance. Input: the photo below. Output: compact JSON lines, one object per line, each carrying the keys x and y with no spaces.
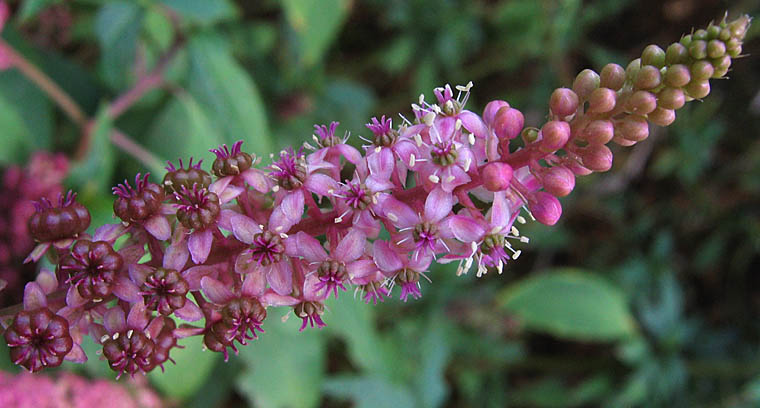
{"x":716,"y":49}
{"x":677,"y":76}
{"x":599,"y":132}
{"x":529,"y":135}
{"x":700,"y":34}
{"x":575,"y":167}
{"x":713,"y":32}
{"x":621,"y":141}
{"x":641,"y":102}
{"x":602,"y":100}
{"x":676,"y":54}
{"x":563,"y":102}
{"x":698,"y":49}
{"x":698,"y":89}
{"x":648,"y":77}
{"x":612,"y":76}
{"x":739,"y":26}
{"x":554,"y":136}
{"x":653,"y":55}
{"x":559,"y":181}
{"x":686,"y":40}
{"x":546,"y":208}
{"x":721,"y":66}
{"x":597,"y":157}
{"x":496,"y":176}
{"x":702,"y":70}
{"x":585,"y":83}
{"x":507,"y":123}
{"x":671,"y":98}
{"x":662,"y":117}
{"x":489,"y":113}
{"x":633,"y":127}
{"x":632,"y":70}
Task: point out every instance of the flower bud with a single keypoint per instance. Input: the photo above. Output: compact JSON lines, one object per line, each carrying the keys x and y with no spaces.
{"x":496,"y":176}
{"x":633,"y":127}
{"x":585,"y":83}
{"x":597,"y":157}
{"x":698,"y":89}
{"x":632,"y":70}
{"x":725,"y":34}
{"x":575,"y":167}
{"x":671,"y":98}
{"x":739,"y":26}
{"x":721,"y":66}
{"x":602,"y":100}
{"x":716,"y":49}
{"x":489,"y":113}
{"x":621,"y":141}
{"x":698,"y":49}
{"x":563,"y":102}
{"x":677,"y":76}
{"x":546,"y":208}
{"x":700,"y":34}
{"x":554,"y":136}
{"x":559,"y":181}
{"x":508,"y":122}
{"x":648,"y":77}
{"x":599,"y":132}
{"x":676,"y":54}
{"x":702,"y":70}
{"x":713,"y":32}
{"x":686,"y":40}
{"x":662,"y":116}
{"x":641,"y":102}
{"x":734,"y":47}
{"x":653,"y":55}
{"x":612,"y":76}
{"x":529,"y":135}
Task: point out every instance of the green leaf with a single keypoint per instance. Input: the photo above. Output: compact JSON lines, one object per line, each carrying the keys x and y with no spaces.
{"x":16,"y":134}
{"x":92,"y":175}
{"x":117,"y":26}
{"x":369,"y":392}
{"x":30,"y":8}
{"x":315,"y":24}
{"x":434,"y":350}
{"x":285,"y":368}
{"x":202,"y":12}
{"x":182,"y":130}
{"x":193,"y":367}
{"x":572,"y":304}
{"x":227,"y":94}
{"x":32,"y":106}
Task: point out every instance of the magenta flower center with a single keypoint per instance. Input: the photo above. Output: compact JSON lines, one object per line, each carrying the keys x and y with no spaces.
{"x":290,"y":170}
{"x":444,"y":153}
{"x":267,"y":248}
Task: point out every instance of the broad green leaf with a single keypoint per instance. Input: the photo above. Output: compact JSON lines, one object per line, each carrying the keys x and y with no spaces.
{"x":315,"y":24}
{"x":193,"y":367}
{"x":117,"y":26}
{"x":434,"y":350}
{"x":285,"y":368}
{"x":16,"y":134}
{"x":369,"y":392}
{"x":92,"y":175}
{"x":227,"y":95}
{"x":32,"y":106}
{"x":572,"y":304}
{"x":182,"y":130}
{"x":202,"y":12}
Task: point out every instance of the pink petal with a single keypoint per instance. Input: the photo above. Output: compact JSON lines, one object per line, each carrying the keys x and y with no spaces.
{"x":159,"y":227}
{"x":405,"y":149}
{"x":114,"y":320}
{"x":132,"y":253}
{"x":190,"y":312}
{"x":312,"y":290}
{"x":366,"y":223}
{"x":37,"y":252}
{"x":399,"y":213}
{"x":109,"y":232}
{"x":351,"y":247}
{"x":309,"y":248}
{"x":225,"y":219}
{"x":473,"y":123}
{"x":349,"y":152}
{"x":256,"y":179}
{"x":139,"y":273}
{"x":361,"y":268}
{"x":385,"y":257}
{"x":453,"y":177}
{"x":438,"y":205}
{"x":138,"y":317}
{"x":47,"y":281}
{"x":321,"y":184}
{"x":466,"y":229}
{"x":254,"y":284}
{"x":176,"y":256}
{"x":220,"y":185}
{"x":500,"y":214}
{"x":244,"y":263}
{"x":34,"y":297}
{"x":76,"y":355}
{"x":188,"y":331}
{"x":292,"y":205}
{"x":280,"y":277}
{"x":199,"y":245}
{"x":273,"y":299}
{"x":194,"y":275}
{"x":125,"y":290}
{"x":73,"y":298}
{"x":381,"y":164}
{"x":216,"y":291}
{"x":230,"y":193}
{"x":244,"y":228}
{"x":420,"y":263}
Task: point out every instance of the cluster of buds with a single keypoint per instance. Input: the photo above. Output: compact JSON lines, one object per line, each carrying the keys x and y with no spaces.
{"x":447,"y":185}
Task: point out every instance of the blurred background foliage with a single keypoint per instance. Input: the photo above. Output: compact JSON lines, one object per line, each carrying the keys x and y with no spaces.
{"x":647,"y":292}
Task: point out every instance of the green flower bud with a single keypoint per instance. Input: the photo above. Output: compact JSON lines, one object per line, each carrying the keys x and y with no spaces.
{"x":529,"y":135}
{"x":698,"y":89}
{"x":677,"y":76}
{"x":686,"y":40}
{"x":612,"y":76}
{"x":648,"y":77}
{"x":725,"y":34}
{"x":702,"y":70}
{"x":713,"y":32}
{"x":585,"y":83}
{"x":632,"y":70}
{"x":698,"y":49}
{"x":700,"y":35}
{"x":602,"y":100}
{"x":641,"y":102}
{"x":599,"y":132}
{"x":632,"y":127}
{"x":653,"y":55}
{"x":676,"y":54}
{"x":671,"y":98}
{"x":739,"y":26}
{"x":662,"y":116}
{"x":716,"y":49}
